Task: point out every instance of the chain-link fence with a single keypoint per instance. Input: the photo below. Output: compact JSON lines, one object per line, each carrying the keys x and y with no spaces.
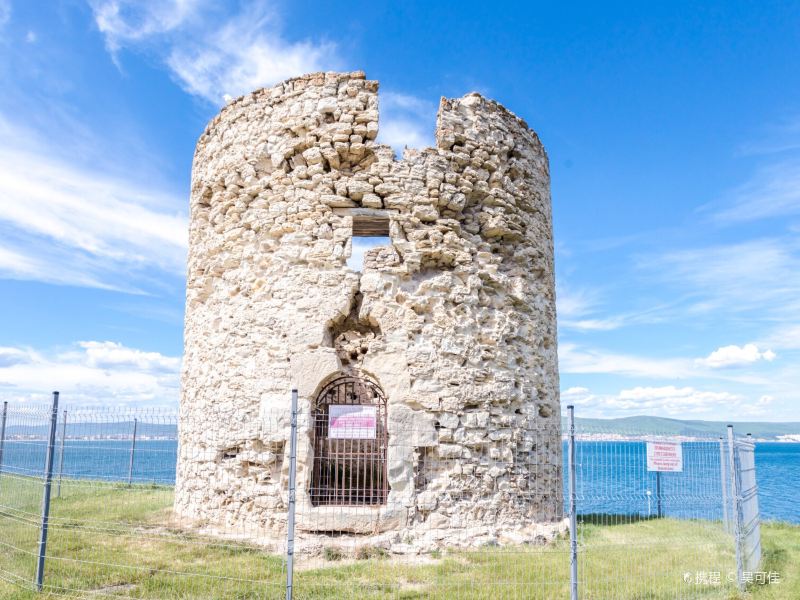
{"x":358,"y":503}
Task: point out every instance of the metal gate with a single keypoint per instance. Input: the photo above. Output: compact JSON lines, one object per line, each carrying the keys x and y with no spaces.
{"x":748,"y":527}
{"x":350,"y":440}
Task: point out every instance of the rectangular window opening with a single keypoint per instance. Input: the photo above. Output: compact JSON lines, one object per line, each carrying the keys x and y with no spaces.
{"x":370,"y":226}
{"x":361,"y":245}
{"x":370,"y":230}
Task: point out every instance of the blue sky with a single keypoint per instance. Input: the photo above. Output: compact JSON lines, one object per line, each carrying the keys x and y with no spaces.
{"x":673,"y":132}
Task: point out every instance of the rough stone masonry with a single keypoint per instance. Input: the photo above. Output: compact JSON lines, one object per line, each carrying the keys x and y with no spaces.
{"x":454,"y":319}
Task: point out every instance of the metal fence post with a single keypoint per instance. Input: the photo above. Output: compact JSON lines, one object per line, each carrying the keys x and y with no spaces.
{"x":292,"y":499}
{"x":573,"y":518}
{"x":61,"y":455}
{"x":659,"y":502}
{"x":736,"y":517}
{"x":723,"y":478}
{"x":48,"y":481}
{"x":133,"y":450}
{"x":3,"y":433}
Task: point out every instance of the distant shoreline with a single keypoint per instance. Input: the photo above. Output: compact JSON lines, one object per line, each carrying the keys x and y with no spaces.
{"x":581,"y":437}
{"x":613,"y":437}
{"x":21,"y":438}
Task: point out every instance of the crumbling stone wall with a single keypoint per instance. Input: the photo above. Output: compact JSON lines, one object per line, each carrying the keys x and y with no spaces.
{"x":455,"y":320}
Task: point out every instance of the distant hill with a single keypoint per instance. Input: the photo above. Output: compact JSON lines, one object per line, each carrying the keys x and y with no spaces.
{"x":662,"y":425}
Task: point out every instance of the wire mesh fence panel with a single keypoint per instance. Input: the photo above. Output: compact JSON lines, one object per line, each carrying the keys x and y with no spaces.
{"x":651,"y":516}
{"x":386,"y":501}
{"x":21,"y":488}
{"x":418,"y":505}
{"x":113,"y":530}
{"x":748,"y":511}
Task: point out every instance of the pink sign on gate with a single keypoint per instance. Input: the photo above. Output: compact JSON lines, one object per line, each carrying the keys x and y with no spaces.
{"x":352,"y":421}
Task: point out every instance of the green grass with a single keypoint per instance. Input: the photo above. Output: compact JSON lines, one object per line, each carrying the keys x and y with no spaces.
{"x":111,"y":540}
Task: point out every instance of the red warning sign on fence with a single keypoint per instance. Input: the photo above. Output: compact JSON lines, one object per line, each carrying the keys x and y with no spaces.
{"x":664,"y":457}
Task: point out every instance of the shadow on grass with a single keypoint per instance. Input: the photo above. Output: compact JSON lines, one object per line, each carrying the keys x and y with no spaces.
{"x":608,"y":520}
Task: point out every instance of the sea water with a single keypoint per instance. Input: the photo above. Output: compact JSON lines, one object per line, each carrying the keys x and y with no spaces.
{"x":612,"y":476}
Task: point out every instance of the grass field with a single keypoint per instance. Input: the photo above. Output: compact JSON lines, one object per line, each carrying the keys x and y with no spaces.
{"x":112,"y":541}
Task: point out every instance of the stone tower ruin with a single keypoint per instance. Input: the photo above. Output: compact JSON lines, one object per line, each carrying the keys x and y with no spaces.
{"x":442,"y":349}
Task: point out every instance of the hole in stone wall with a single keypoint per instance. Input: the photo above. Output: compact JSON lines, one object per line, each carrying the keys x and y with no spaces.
{"x":421,"y":478}
{"x":231,"y":452}
{"x":361,"y":245}
{"x":205,"y":197}
{"x":351,"y":337}
{"x":406,"y":121}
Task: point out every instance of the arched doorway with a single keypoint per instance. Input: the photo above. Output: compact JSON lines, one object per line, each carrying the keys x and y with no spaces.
{"x":350,"y":440}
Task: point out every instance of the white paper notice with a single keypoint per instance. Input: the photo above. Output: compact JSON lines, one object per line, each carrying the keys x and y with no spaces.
{"x":352,"y":421}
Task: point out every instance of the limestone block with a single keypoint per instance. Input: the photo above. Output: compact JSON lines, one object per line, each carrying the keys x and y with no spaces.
{"x":427,"y":501}
{"x":391,"y":370}
{"x":409,"y":428}
{"x":311,"y":367}
{"x":449,"y":451}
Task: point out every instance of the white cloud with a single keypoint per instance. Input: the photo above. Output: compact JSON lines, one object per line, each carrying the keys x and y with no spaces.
{"x":60,"y":266}
{"x":576,"y":307}
{"x":784,"y":337}
{"x":765,"y":400}
{"x":669,"y":401}
{"x":576,"y":391}
{"x":31,"y":37}
{"x":406,"y":121}
{"x":219,"y":57}
{"x":733,"y":356}
{"x":573,"y":359}
{"x":684,"y":395}
{"x":577,"y":395}
{"x":573,"y":303}
{"x":773,"y":191}
{"x":212,"y":56}
{"x":783,"y":136}
{"x":407,"y":102}
{"x":758,"y":275}
{"x":774,"y":188}
{"x":581,"y":309}
{"x":113,"y":355}
{"x":401,"y":133}
{"x":13,"y":356}
{"x":91,"y":373}
{"x":592,"y":324}
{"x":5,"y":12}
{"x":64,"y":222}
{"x":126,"y":21}
{"x":241,"y":56}
{"x":19,"y":264}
